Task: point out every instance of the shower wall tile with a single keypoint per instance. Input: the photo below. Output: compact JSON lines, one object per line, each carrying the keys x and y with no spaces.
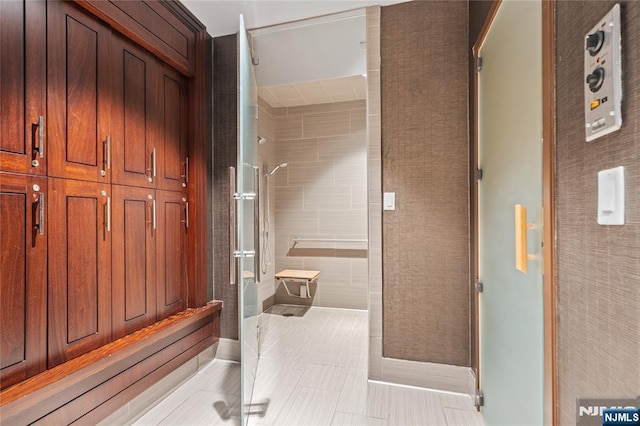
{"x":289,"y":127}
{"x":358,"y":198}
{"x":343,"y":147}
{"x":343,"y":296}
{"x":342,"y":222}
{"x":373,"y":79}
{"x":350,"y":105}
{"x":374,"y":190}
{"x":360,"y":272}
{"x":326,"y":124}
{"x":323,"y":194}
{"x":290,"y":150}
{"x":310,"y":173}
{"x":289,"y":198}
{"x":311,"y":109}
{"x":358,"y":121}
{"x":327,"y":198}
{"x":296,"y":222}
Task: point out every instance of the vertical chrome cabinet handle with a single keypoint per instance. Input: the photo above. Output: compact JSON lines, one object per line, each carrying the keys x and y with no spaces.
{"x":186,"y":213}
{"x":108,"y":152}
{"x":186,"y":173}
{"x":153,"y":215}
{"x":41,"y":207}
{"x":108,"y":214}
{"x":40,"y":136}
{"x":256,"y":224}
{"x":153,"y":162}
{"x":232,"y":226}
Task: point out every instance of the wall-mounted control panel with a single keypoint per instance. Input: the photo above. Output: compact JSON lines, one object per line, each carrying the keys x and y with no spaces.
{"x":602,"y":76}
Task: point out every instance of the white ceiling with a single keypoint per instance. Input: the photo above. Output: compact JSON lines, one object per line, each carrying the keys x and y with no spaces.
{"x":221,"y":17}
{"x":329,"y":47}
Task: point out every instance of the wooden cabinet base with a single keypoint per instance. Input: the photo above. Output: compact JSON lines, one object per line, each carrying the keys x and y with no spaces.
{"x":92,"y":386}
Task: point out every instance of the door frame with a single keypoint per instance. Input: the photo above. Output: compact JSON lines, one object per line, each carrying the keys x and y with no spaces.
{"x":548,"y":195}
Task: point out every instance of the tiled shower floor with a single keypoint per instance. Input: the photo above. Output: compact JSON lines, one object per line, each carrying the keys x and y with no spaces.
{"x":312,"y":371}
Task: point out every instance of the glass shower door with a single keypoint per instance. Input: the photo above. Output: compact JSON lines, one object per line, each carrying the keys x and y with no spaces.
{"x":248,"y":205}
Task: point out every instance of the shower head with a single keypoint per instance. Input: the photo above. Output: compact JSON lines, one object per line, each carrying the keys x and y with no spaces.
{"x":275,"y":169}
{"x":262,"y":140}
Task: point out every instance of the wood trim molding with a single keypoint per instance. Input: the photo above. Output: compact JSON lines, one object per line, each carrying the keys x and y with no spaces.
{"x":549,"y":213}
{"x":144,"y":23}
{"x":79,"y":386}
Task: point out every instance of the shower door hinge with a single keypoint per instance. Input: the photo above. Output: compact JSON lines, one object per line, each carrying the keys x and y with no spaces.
{"x":479,"y":399}
{"x":479,"y":174}
{"x":255,"y":60}
{"x":479,"y":64}
{"x":479,"y":286}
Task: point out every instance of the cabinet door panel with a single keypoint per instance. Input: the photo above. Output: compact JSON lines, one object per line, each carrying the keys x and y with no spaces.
{"x":79,"y":268}
{"x":173,"y":126}
{"x":22,"y":88}
{"x":134,"y":251}
{"x":23,"y":280}
{"x":171,"y":255}
{"x":131,"y":112}
{"x":79,"y":88}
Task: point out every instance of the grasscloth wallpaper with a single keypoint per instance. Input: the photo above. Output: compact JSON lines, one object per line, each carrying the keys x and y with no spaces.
{"x":425,"y":162}
{"x":225,"y":133}
{"x":598,"y":267}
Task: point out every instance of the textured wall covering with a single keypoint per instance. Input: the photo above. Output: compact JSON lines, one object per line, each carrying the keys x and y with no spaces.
{"x":425,"y":161}
{"x":598,"y":267}
{"x":323,"y":194}
{"x":225,"y":134}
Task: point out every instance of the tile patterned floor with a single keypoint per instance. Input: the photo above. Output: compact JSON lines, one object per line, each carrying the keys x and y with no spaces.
{"x":312,"y":371}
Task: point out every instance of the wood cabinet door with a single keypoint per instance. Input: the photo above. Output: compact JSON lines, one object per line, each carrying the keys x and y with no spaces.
{"x":79,"y":268}
{"x":171,"y":210}
{"x":133,"y":259}
{"x":22,"y":88}
{"x":133,"y":154}
{"x":171,"y":130}
{"x":78,"y":94}
{"x":23,"y":277}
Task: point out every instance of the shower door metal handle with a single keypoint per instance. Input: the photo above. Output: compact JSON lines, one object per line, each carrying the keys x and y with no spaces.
{"x":232,"y":226}
{"x":256,"y":225}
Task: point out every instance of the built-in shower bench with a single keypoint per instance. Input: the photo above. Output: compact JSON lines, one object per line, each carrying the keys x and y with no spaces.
{"x":304,"y":277}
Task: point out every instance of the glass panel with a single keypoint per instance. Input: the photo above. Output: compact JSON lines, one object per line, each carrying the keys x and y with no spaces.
{"x":510,"y":156}
{"x":247,"y":205}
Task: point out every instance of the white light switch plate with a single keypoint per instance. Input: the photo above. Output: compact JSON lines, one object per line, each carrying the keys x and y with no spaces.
{"x":611,"y":196}
{"x":389,"y":201}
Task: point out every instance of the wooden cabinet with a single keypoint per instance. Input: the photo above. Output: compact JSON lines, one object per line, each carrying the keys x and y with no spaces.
{"x":23,"y":262}
{"x":22,"y":87}
{"x":79,"y":268}
{"x":132,"y":122}
{"x":171,"y":139}
{"x":134,"y":230}
{"x":79,"y":85}
{"x":94,"y":124}
{"x":172,"y":224}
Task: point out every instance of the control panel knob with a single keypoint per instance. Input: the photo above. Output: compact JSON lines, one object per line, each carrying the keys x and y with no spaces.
{"x":595,"y":79}
{"x":595,"y":42}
